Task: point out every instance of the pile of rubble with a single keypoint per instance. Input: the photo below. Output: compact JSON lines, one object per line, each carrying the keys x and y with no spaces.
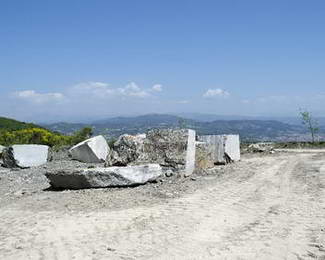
{"x":132,"y":160}
{"x":261,"y":148}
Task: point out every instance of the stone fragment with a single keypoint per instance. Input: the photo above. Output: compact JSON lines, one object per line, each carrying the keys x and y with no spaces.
{"x":255,"y":148}
{"x":25,"y":156}
{"x":261,"y":148}
{"x":102,"y":177}
{"x":92,"y":150}
{"x":232,"y":147}
{"x":125,"y":150}
{"x":224,"y":148}
{"x":169,"y":173}
{"x":190,"y":153}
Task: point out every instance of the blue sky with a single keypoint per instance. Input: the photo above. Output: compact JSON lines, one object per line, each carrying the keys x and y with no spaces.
{"x":64,"y":60}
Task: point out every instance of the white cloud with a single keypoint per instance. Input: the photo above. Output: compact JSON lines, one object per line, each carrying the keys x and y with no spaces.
{"x":218,"y":92}
{"x":157,"y":88}
{"x":92,"y":89}
{"x":133,"y":90}
{"x":92,"y":85}
{"x":103,"y":90}
{"x":33,"y":96}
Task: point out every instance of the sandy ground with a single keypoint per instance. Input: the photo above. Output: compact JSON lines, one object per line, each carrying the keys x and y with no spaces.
{"x":264,"y":207}
{"x":316,"y":150}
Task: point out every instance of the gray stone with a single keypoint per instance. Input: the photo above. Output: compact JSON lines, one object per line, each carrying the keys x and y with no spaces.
{"x":232,"y":147}
{"x":215,"y":147}
{"x":169,"y":173}
{"x":190,"y":153}
{"x":204,"y":158}
{"x":104,"y":177}
{"x":92,"y":150}
{"x":59,"y":153}
{"x":224,"y":148}
{"x":168,"y":147}
{"x":261,"y":148}
{"x":25,"y":156}
{"x":125,"y":150}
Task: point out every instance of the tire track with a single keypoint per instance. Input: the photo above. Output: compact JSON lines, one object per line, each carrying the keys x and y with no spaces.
{"x":266,"y":215}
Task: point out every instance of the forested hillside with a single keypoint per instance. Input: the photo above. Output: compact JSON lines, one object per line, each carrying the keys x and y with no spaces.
{"x":11,"y":124}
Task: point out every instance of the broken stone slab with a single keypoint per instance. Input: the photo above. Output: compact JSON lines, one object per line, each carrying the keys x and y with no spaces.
{"x":232,"y":147}
{"x":261,"y":148}
{"x":169,"y":148}
{"x":190,"y":153}
{"x":102,"y":177}
{"x":125,"y":150}
{"x":25,"y":155}
{"x":225,"y":148}
{"x":92,"y":150}
{"x":255,"y":148}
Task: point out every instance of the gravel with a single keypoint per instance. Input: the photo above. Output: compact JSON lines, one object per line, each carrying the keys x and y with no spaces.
{"x":29,"y":189}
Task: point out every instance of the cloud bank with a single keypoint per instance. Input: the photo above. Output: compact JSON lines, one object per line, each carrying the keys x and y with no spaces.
{"x":95,"y":99}
{"x":91,"y":91}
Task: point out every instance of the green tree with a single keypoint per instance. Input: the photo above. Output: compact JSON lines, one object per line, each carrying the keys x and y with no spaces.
{"x":310,"y":123}
{"x":82,"y":135}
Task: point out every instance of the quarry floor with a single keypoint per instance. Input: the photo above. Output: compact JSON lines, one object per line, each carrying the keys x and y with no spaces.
{"x":264,"y":207}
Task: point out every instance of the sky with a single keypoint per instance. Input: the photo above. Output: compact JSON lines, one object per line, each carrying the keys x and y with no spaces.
{"x":79,"y":60}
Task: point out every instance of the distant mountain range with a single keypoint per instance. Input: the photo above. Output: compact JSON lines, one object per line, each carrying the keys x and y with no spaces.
{"x":211,"y":117}
{"x":248,"y":129}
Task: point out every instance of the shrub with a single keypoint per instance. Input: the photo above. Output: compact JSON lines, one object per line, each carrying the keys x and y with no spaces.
{"x":42,"y":136}
{"x":81,"y":135}
{"x":111,"y":142}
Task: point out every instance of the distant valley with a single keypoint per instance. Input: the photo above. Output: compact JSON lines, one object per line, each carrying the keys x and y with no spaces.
{"x":249,"y":130}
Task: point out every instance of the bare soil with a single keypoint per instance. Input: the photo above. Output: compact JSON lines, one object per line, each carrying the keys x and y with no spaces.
{"x":264,"y":207}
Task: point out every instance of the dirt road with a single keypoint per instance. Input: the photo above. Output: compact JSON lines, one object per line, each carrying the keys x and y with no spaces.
{"x":269,"y":207}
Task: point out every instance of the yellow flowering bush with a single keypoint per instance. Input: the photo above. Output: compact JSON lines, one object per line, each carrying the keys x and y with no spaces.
{"x":42,"y":136}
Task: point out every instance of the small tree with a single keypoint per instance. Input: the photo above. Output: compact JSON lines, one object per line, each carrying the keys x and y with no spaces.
{"x":82,"y":135}
{"x":310,"y":123}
